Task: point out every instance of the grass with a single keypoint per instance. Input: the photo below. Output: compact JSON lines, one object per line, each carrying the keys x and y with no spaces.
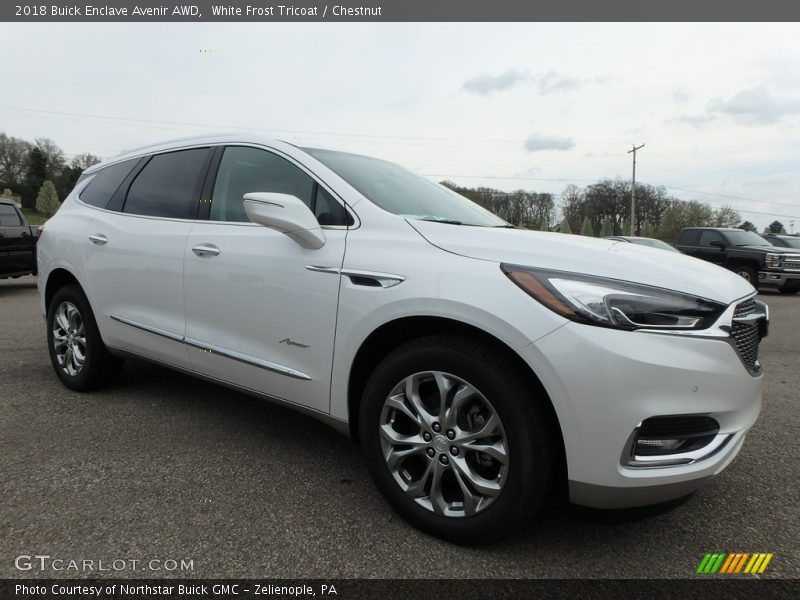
{"x":33,"y":217}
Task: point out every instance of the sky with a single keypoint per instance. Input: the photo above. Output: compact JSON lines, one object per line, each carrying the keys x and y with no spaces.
{"x":532,"y":106}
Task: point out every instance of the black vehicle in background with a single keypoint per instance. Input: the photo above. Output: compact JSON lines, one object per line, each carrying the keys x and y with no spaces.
{"x":745,"y":253}
{"x":782,"y":241}
{"x":17,"y":242}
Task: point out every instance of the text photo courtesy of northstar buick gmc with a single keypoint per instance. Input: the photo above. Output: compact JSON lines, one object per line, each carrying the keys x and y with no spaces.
{"x":479,"y":366}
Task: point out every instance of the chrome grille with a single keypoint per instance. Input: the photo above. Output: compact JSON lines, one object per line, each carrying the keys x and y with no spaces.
{"x":746,"y":336}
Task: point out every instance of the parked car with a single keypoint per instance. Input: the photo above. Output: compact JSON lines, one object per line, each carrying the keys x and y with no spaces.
{"x":17,"y":242}
{"x":745,"y":253}
{"x":783,"y":241}
{"x":481,"y":367}
{"x":643,"y":241}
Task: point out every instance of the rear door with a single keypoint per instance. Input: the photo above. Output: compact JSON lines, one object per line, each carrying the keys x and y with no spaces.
{"x":256,"y":315}
{"x":134,"y":255}
{"x":16,"y":241}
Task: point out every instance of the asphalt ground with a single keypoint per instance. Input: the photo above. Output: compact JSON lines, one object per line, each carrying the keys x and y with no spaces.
{"x":163,"y":466}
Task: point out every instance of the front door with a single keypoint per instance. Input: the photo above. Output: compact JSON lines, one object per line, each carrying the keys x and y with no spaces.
{"x":256,"y":316}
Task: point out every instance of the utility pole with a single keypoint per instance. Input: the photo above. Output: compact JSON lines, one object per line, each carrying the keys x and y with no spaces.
{"x":633,"y":189}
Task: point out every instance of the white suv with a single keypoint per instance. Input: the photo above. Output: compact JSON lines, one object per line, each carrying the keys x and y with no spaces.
{"x":480,"y":366}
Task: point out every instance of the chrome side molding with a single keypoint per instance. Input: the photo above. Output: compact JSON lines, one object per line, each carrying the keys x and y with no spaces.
{"x":206,"y":347}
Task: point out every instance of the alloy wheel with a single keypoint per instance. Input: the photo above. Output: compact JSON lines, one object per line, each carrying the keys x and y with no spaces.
{"x":444,"y":444}
{"x":69,"y":338}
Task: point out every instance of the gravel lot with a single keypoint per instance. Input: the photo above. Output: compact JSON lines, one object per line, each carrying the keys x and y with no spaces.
{"x":163,"y":466}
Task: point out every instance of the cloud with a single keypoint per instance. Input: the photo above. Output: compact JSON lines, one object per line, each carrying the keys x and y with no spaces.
{"x":694,"y":120}
{"x":754,"y":107}
{"x":537,"y":142}
{"x":544,"y":83}
{"x":483,"y":85}
{"x":679,"y":94}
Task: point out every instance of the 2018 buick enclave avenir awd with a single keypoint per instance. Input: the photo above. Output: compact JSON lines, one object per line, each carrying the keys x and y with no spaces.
{"x":478,"y":365}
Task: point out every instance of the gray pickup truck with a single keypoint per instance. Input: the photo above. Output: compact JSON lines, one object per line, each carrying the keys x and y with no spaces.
{"x":746,"y":253}
{"x":17,"y":242}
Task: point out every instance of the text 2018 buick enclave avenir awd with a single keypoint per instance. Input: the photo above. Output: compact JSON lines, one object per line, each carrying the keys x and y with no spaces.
{"x":478,"y":365}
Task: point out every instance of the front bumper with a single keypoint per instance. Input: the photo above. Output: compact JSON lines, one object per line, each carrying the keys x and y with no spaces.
{"x":604,"y":382}
{"x":779,"y":279}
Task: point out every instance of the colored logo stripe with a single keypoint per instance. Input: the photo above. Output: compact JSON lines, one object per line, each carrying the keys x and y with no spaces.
{"x":722,"y":562}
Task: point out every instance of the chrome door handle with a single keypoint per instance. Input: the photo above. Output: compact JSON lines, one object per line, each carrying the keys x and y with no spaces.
{"x":98,"y":239}
{"x":206,"y":250}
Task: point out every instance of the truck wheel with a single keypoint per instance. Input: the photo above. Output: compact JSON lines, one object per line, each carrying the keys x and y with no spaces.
{"x":77,"y":352}
{"x":456,"y":439}
{"x":747,"y":273}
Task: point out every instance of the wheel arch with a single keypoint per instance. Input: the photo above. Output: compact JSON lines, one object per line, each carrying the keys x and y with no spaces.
{"x":395,"y":333}
{"x":56,"y":279}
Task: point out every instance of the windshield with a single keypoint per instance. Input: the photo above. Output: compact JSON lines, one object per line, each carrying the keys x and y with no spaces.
{"x":404,"y":193}
{"x":653,"y":243}
{"x":745,"y":238}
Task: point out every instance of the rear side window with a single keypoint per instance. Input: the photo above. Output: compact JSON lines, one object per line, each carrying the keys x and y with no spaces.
{"x":9,"y":216}
{"x":105,"y":183}
{"x":168,"y":185}
{"x":243,"y":170}
{"x":690,"y":237}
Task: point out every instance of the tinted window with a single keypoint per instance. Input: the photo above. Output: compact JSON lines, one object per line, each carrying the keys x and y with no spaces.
{"x":328,"y":210}
{"x":690,"y":237}
{"x":9,"y":216}
{"x":168,"y":185}
{"x":105,"y":183}
{"x":709,"y":236}
{"x":243,"y":170}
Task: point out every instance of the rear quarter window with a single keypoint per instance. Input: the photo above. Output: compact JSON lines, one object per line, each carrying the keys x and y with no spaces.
{"x":690,"y":237}
{"x":105,"y":183}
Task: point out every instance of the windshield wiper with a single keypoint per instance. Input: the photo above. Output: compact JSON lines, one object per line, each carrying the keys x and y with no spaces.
{"x":440,"y":220}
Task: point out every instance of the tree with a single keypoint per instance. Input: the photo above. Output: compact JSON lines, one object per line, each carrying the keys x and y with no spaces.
{"x":608,"y":227}
{"x":725,"y":216}
{"x":626,"y":226}
{"x":776,"y":227}
{"x":47,"y":201}
{"x":648,"y":230}
{"x":586,"y":227}
{"x":13,"y":161}
{"x":564,"y":227}
{"x":683,"y":214}
{"x":747,"y":226}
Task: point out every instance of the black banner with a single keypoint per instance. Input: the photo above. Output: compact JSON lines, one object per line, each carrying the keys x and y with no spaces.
{"x":396,"y":589}
{"x":400,"y":10}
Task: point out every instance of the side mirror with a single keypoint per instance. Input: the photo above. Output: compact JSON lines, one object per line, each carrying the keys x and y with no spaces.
{"x":287,"y":214}
{"x":718,"y":244}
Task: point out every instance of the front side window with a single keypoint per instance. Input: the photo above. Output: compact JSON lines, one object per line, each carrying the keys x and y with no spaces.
{"x":709,"y":236}
{"x":746,"y":238}
{"x":9,"y":216}
{"x":244,"y":170}
{"x":168,"y":185}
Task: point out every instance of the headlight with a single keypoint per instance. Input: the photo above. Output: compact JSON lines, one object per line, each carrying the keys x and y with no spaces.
{"x":613,"y":303}
{"x":773,"y":261}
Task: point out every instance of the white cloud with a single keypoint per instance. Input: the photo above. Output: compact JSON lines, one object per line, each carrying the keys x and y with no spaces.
{"x":755,"y":106}
{"x":537,"y":142}
{"x":483,"y":85}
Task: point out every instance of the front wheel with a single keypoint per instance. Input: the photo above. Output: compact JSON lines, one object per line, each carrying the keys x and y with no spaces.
{"x":456,"y":439}
{"x":747,"y":273}
{"x":77,"y":352}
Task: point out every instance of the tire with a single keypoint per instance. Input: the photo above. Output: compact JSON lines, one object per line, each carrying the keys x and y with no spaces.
{"x":749,"y":274}
{"x":480,"y":384}
{"x":72,"y":333}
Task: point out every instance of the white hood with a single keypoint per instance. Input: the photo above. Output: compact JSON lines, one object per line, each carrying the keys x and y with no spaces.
{"x":589,"y":256}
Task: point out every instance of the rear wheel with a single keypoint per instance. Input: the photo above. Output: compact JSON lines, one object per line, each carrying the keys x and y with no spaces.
{"x":77,"y":352}
{"x":456,"y":439}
